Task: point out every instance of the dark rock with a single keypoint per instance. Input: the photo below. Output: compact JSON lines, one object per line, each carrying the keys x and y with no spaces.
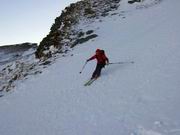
{"x":83,"y":40}
{"x":114,"y":14}
{"x":89,"y":32}
{"x":89,"y":11}
{"x":14,"y":78}
{"x":81,"y":34}
{"x":104,"y":14}
{"x":46,"y":63}
{"x":38,"y":72}
{"x":133,"y":1}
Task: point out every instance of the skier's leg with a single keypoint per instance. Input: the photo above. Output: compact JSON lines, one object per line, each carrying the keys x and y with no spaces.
{"x":98,"y":73}
{"x":95,"y":73}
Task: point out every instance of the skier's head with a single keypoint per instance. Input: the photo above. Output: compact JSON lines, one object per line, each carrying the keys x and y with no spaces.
{"x":98,"y":50}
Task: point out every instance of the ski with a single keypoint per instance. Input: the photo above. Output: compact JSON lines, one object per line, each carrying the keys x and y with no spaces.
{"x":89,"y":82}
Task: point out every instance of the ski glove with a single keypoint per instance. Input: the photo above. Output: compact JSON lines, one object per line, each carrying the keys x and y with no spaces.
{"x":87,"y":60}
{"x":107,"y":63}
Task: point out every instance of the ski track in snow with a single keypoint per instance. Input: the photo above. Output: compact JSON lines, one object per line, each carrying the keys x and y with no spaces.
{"x":128,"y":99}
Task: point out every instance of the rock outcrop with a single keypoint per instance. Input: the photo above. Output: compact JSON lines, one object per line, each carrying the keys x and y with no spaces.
{"x":64,"y":32}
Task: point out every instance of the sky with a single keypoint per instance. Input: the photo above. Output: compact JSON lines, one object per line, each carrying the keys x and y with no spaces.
{"x":28,"y":20}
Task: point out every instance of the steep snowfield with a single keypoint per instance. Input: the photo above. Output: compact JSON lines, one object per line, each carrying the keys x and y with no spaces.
{"x":128,"y":99}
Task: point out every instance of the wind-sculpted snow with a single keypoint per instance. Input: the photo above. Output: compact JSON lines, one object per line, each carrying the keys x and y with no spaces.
{"x":147,"y":4}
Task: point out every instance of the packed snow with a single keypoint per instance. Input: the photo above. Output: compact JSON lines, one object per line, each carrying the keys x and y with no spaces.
{"x":128,"y":99}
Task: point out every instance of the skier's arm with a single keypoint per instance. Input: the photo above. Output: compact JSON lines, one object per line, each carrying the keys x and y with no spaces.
{"x":106,"y":59}
{"x":93,"y":57}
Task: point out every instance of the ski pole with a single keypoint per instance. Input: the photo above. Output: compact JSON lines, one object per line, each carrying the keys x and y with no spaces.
{"x":122,"y":62}
{"x":83,"y":67}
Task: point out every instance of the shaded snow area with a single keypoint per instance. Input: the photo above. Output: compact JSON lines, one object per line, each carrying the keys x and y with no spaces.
{"x":128,"y":99}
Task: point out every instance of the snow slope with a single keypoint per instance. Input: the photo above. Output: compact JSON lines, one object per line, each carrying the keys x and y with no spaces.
{"x":129,"y":99}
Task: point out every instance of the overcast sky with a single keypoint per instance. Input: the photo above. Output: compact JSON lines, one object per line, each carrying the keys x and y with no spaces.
{"x":28,"y":20}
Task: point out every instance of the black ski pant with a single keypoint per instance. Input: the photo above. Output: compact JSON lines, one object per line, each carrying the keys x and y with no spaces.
{"x":97,"y":71}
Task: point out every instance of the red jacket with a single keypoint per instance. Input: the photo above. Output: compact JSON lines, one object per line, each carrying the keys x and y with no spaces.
{"x":101,"y":58}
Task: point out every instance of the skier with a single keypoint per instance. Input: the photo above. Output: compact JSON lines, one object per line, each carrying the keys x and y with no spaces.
{"x":102,"y":60}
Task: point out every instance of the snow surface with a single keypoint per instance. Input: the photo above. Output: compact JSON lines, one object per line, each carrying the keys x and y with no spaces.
{"x":128,"y":99}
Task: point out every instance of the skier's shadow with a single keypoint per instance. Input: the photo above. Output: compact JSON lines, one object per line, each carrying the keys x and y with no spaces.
{"x":110,"y":69}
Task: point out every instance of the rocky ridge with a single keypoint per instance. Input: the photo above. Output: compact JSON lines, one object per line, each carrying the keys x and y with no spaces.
{"x":64,"y":32}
